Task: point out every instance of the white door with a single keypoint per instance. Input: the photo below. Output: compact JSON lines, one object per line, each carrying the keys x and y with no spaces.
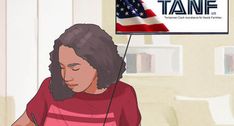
{"x":32,"y":27}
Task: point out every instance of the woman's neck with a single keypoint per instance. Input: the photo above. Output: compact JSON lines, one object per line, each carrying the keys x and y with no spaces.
{"x":92,"y":89}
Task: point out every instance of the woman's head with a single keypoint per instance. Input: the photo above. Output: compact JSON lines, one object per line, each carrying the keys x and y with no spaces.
{"x":76,"y":72}
{"x":84,"y":53}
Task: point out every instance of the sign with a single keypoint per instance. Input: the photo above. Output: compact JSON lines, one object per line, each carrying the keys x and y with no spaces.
{"x":172,"y":16}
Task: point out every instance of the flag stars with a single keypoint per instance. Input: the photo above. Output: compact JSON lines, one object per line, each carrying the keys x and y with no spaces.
{"x":141,"y":14}
{"x":131,"y":8}
{"x":126,"y":13}
{"x":134,"y":12}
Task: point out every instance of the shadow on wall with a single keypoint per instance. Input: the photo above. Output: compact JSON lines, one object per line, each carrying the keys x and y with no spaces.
{"x":7,"y":111}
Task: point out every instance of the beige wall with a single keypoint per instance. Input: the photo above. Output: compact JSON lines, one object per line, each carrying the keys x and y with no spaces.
{"x":199,"y":78}
{"x":2,"y":62}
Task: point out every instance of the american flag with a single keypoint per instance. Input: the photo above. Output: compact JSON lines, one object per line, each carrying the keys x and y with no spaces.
{"x":135,"y":16}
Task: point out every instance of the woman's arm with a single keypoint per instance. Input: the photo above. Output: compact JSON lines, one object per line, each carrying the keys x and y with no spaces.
{"x":23,"y":121}
{"x":36,"y":108}
{"x":130,"y":112}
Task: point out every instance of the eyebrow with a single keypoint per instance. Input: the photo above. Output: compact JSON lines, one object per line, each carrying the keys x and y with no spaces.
{"x":73,"y":64}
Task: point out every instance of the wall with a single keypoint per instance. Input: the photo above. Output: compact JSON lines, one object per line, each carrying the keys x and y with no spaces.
{"x":21,"y":53}
{"x":53,"y":18}
{"x":2,"y":47}
{"x":32,"y":27}
{"x":90,"y":14}
{"x":2,"y":61}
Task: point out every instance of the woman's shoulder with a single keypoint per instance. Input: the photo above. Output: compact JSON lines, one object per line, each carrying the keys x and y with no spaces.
{"x":45,"y":84}
{"x":47,"y":80}
{"x":125,"y":88}
{"x":124,"y":85}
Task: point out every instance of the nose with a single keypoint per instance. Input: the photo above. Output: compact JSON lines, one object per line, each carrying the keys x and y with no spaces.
{"x":67,"y":76}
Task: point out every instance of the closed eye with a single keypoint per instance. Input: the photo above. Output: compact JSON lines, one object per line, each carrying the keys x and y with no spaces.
{"x":76,"y":69}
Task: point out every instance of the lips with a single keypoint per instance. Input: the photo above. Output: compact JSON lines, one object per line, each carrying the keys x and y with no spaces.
{"x":71,"y":85}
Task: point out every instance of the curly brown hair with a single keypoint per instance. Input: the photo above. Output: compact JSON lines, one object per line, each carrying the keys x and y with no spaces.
{"x":95,"y":46}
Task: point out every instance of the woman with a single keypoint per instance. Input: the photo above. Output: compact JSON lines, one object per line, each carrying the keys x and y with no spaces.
{"x":84,"y":68}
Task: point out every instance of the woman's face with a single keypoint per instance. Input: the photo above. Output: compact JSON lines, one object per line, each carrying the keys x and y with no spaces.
{"x":77,"y":73}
